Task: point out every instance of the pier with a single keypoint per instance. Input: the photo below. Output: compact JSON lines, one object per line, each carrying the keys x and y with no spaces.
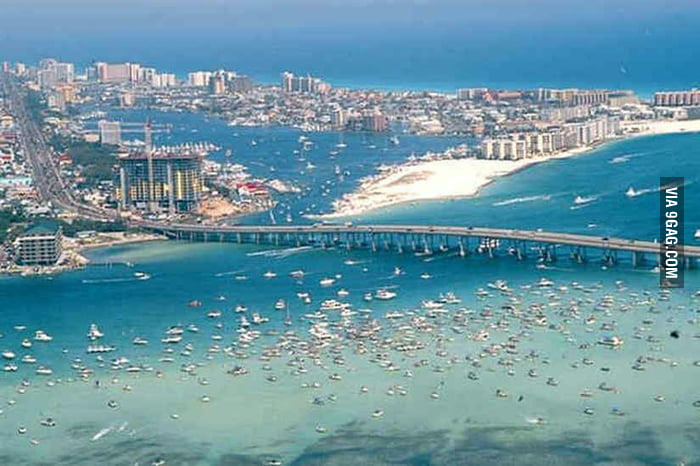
{"x":522,"y":244}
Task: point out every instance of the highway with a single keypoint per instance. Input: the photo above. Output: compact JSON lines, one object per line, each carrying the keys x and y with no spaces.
{"x":612,"y":244}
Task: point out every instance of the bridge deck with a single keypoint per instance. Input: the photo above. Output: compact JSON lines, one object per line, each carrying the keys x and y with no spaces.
{"x":611,"y":243}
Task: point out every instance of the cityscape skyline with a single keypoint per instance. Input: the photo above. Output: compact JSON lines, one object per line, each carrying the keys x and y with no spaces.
{"x":435,"y":46}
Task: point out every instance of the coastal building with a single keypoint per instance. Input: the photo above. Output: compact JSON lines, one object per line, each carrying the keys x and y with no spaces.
{"x":160,"y":181}
{"x":118,"y":72}
{"x":217,"y":84}
{"x":199,"y":78}
{"x":472,"y":93}
{"x":573,"y":96}
{"x":240,"y":84}
{"x":51,"y":73}
{"x":374,"y":120}
{"x":40,"y":244}
{"x":110,"y":132}
{"x":337,"y":117}
{"x":677,"y":98}
{"x":303,"y":84}
{"x":521,"y":145}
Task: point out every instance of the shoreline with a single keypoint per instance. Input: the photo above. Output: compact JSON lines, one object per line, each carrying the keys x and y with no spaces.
{"x":448,"y":178}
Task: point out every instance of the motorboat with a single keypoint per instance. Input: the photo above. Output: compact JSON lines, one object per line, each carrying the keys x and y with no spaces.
{"x":8,"y":354}
{"x":297,"y":273}
{"x":40,"y":335}
{"x":94,"y":333}
{"x":269,"y":274}
{"x":384,"y":294}
{"x":280,"y":305}
{"x":139,"y":341}
{"x":327,"y":281}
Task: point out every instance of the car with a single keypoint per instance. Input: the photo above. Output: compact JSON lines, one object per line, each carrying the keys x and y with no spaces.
{"x":605,"y":238}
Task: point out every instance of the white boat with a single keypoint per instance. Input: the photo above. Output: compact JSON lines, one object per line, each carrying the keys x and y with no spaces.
{"x":394,"y":140}
{"x":269,"y":274}
{"x":430,"y":304}
{"x":142,"y":275}
{"x":631,"y":192}
{"x":613,"y":342}
{"x":140,"y":341}
{"x":448,"y":298}
{"x":28,"y":359}
{"x":175,"y":330}
{"x":280,"y":305}
{"x":10,"y":368}
{"x":241,"y":308}
{"x":394,"y":315}
{"x":499,"y":285}
{"x":297,"y":273}
{"x":171,"y":339}
{"x":327,"y":281}
{"x":100,"y":349}
{"x":425,"y":276}
{"x":243,"y":323}
{"x":333,"y":305}
{"x":44,"y":371}
{"x":697,"y":234}
{"x":8,"y":354}
{"x":40,"y":335}
{"x":368,"y":297}
{"x":343,"y":292}
{"x":94,"y":333}
{"x":257,"y":319}
{"x":579,"y":200}
{"x":384,"y":294}
{"x":544,"y":283}
{"x":214,"y":314}
{"x":398,"y":271}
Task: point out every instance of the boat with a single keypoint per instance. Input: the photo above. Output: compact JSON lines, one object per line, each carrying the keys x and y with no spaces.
{"x":100,"y":349}
{"x":171,"y":339}
{"x":631,"y":192}
{"x":398,"y":271}
{"x":41,"y":370}
{"x":269,"y":274}
{"x":697,"y":234}
{"x":297,"y":273}
{"x":214,"y":314}
{"x":142,"y":275}
{"x":243,"y":322}
{"x":40,"y":335}
{"x":139,"y":341}
{"x":280,"y":305}
{"x":425,"y":276}
{"x":10,"y":368}
{"x":579,"y":200}
{"x":333,"y":305}
{"x":368,"y":296}
{"x":257,"y":319}
{"x":499,"y":285}
{"x":94,"y":333}
{"x":8,"y":354}
{"x":613,"y":342}
{"x":394,"y":140}
{"x":327,"y":281}
{"x":28,"y":359}
{"x":430,"y":304}
{"x":343,"y":292}
{"x":544,"y":283}
{"x":194,"y":303}
{"x":384,"y":294}
{"x":241,"y":308}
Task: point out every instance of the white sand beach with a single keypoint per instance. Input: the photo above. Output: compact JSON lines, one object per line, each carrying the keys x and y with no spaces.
{"x":463,"y":177}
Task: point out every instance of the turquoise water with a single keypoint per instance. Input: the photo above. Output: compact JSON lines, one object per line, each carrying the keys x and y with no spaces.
{"x":291,"y":406}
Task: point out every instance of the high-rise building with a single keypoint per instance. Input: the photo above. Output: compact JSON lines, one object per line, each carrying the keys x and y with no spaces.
{"x":52,"y":73}
{"x":241,"y":84}
{"x":287,"y":81}
{"x":118,"y":72}
{"x":217,"y":83}
{"x":338,"y":119}
{"x":40,"y":244}
{"x":374,"y":121}
{"x":110,"y":132}
{"x":199,"y":78}
{"x":689,"y":98}
{"x":163,"y":181}
{"x":6,"y":67}
{"x":306,"y":84}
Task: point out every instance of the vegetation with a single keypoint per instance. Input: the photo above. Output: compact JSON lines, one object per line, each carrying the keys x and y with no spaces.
{"x":96,"y":160}
{"x":71,"y":229}
{"x":8,"y":218}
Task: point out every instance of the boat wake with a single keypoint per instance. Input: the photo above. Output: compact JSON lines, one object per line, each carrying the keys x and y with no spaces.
{"x":97,"y":281}
{"x":226,"y":274}
{"x":583,"y":201}
{"x":623,"y":158}
{"x":519,"y":200}
{"x":280,"y":253}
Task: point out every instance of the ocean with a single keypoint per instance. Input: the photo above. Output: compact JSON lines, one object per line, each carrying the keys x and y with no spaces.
{"x":516,"y":376}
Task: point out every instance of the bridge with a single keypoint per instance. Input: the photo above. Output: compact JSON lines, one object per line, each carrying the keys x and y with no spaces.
{"x":546,"y":246}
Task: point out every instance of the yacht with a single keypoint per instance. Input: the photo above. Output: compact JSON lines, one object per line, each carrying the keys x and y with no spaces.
{"x":613,"y":342}
{"x":499,"y":285}
{"x":697,"y":234}
{"x":343,"y":292}
{"x":368,"y":297}
{"x":26,"y":343}
{"x":327,"y":281}
{"x":28,"y":359}
{"x":544,"y":283}
{"x":40,"y":335}
{"x":297,"y":273}
{"x":449,"y":298}
{"x":244,"y":322}
{"x":241,"y":308}
{"x":94,"y":333}
{"x":171,"y":339}
{"x":44,"y":371}
{"x":333,"y":305}
{"x":430,"y":304}
{"x":269,"y":274}
{"x":384,"y":294}
{"x":425,"y":276}
{"x":258,"y":319}
{"x":398,"y":271}
{"x":631,"y":192}
{"x":142,"y":275}
{"x":139,"y":341}
{"x":280,"y":305}
{"x":8,"y":355}
{"x":10,"y":368}
{"x":214,"y":314}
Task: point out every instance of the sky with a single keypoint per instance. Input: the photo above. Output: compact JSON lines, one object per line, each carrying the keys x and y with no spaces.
{"x":435,"y":42}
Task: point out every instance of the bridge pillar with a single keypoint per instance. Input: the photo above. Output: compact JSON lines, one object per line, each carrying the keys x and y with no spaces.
{"x":637,"y":258}
{"x":462,"y":253}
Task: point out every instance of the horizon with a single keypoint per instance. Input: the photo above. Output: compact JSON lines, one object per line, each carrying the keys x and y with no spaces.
{"x":390,"y":44}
